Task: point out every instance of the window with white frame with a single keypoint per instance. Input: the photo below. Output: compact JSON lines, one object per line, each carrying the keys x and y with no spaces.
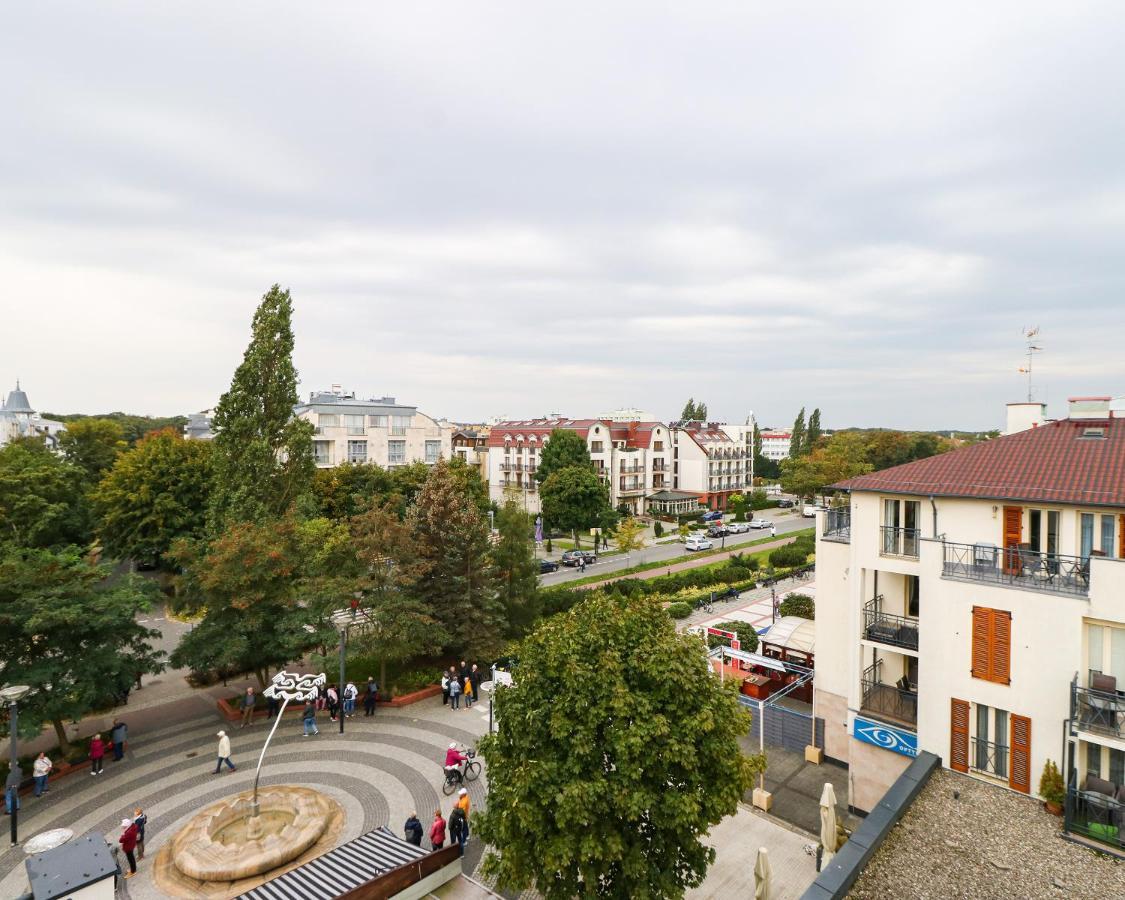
{"x":399,"y":424}
{"x":1109,"y":526}
{"x":1105,"y":651}
{"x":1043,"y":530}
{"x":433,"y":452}
{"x":328,"y":420}
{"x":396,"y":452}
{"x":354,"y":424}
{"x":377,"y":421}
{"x":322,"y":452}
{"x":357,"y":451}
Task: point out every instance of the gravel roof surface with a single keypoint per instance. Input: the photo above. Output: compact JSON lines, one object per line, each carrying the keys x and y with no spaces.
{"x":990,"y":843}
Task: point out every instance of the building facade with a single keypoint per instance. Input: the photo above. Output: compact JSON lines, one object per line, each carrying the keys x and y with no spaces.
{"x":973,"y":605}
{"x":712,"y":460}
{"x":775,"y":444}
{"x":19,"y":420}
{"x":379,"y":430}
{"x":470,"y":445}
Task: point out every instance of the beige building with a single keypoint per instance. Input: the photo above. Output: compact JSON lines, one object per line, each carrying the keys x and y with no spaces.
{"x":973,"y":605}
{"x":712,"y":460}
{"x":379,"y":430}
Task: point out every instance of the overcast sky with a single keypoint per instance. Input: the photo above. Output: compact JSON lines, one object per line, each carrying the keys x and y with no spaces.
{"x":517,"y":208}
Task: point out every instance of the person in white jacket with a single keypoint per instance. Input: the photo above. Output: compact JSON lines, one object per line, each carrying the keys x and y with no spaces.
{"x":41,"y":768}
{"x":224,"y":753}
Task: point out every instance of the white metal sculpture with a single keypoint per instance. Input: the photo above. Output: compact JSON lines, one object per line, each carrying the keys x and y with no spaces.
{"x":286,"y":686}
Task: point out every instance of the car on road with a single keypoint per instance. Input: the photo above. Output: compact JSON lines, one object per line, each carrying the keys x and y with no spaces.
{"x":574,"y":557}
{"x":786,"y":503}
{"x":809,"y":510}
{"x":718,"y":529}
{"x":760,"y":523}
{"x":547,"y":565}
{"x":714,"y":515}
{"x":697,"y":543}
{"x":738,"y":527}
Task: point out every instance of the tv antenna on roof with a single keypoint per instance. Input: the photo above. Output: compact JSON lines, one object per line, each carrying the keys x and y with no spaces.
{"x":1030,"y":336}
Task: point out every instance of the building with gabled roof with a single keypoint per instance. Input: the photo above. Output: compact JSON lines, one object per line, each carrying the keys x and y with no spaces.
{"x":18,"y":419}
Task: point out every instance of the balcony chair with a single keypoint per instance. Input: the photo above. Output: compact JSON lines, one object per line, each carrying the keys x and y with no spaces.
{"x":1031,"y":563}
{"x":1103,"y":701}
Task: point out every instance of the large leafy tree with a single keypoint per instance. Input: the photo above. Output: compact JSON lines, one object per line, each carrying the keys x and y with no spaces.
{"x":564,"y":449}
{"x":575,"y":499}
{"x":341,"y":492}
{"x":263,"y":454}
{"x":517,"y":569}
{"x":70,"y":631}
{"x":841,"y":457}
{"x":617,"y":751}
{"x":92,"y":445}
{"x":133,"y":427}
{"x":812,"y":432}
{"x":797,"y":436}
{"x":458,"y":582}
{"x":42,"y":501}
{"x":155,"y":494}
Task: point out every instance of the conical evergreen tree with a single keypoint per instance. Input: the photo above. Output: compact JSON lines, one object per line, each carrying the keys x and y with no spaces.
{"x":797,"y":437}
{"x":812,"y":435}
{"x":263,"y":454}
{"x":517,"y":569}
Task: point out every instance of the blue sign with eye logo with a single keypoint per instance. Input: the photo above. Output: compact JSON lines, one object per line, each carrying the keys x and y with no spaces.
{"x":886,"y":736}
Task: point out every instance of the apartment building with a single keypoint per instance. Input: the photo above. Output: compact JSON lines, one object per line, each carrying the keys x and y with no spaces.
{"x":470,"y":445}
{"x":633,"y":458}
{"x":775,"y":444}
{"x":712,"y":460}
{"x":379,"y":430}
{"x":973,"y":605}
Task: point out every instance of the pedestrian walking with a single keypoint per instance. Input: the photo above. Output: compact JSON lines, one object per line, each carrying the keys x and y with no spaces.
{"x":118,"y":735}
{"x":140,"y":820}
{"x":224,"y":753}
{"x":272,"y":706}
{"x":128,"y":842}
{"x":413,"y":830}
{"x":370,"y":696}
{"x":40,"y":769}
{"x":582,"y":564}
{"x":773,"y":530}
{"x":463,"y":804}
{"x":97,"y":754}
{"x":457,"y":827}
{"x":467,"y":687}
{"x":474,"y":679}
{"x":444,"y":688}
{"x":332,"y":700}
{"x":309,"y":719}
{"x":437,"y":831}
{"x":350,"y":693}
{"x":249,"y":701}
{"x":454,"y":691}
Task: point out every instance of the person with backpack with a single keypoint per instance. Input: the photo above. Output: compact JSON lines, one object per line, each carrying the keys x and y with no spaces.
{"x":370,"y":696}
{"x":350,"y":693}
{"x":457,"y":827}
{"x":309,"y":719}
{"x":454,"y":692}
{"x":437,"y":831}
{"x":413,"y":830}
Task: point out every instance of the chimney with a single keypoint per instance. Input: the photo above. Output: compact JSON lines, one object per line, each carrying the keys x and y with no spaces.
{"x":337,"y":389}
{"x":1025,"y":416}
{"x":1096,"y":408}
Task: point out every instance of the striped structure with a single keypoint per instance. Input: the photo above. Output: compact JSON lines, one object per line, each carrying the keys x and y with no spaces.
{"x":341,"y":870}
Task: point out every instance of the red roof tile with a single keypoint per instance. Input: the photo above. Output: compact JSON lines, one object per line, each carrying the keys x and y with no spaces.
{"x":1054,"y":463}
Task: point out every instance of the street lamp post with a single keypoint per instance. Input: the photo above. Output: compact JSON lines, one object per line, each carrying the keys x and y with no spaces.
{"x":340,"y":695}
{"x":10,"y":697}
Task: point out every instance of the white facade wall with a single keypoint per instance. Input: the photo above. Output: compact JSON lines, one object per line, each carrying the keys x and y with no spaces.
{"x":422,"y":438}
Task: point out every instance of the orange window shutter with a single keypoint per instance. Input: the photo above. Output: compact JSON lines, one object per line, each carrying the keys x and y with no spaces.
{"x":1001,"y":656}
{"x":1020,"y":777}
{"x":959,"y":735}
{"x":982,"y":641}
{"x":1013,"y":534}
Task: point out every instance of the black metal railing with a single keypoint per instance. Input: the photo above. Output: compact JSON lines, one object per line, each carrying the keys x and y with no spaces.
{"x":899,"y":541}
{"x":1102,"y":712}
{"x":1017,"y":566}
{"x":1096,"y":816}
{"x":838,"y":525}
{"x":887,"y":628}
{"x":990,"y":758}
{"x":887,"y":700}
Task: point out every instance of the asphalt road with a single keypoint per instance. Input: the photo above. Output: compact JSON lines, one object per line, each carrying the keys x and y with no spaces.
{"x":786,"y":522}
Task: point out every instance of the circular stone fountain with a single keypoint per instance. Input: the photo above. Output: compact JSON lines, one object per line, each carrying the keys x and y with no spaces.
{"x":225,"y":842}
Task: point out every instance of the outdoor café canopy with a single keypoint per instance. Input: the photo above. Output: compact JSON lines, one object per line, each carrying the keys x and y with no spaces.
{"x":674,"y":502}
{"x":792,"y":633}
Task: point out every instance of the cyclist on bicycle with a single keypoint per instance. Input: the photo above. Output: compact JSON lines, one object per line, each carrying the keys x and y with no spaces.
{"x":455,"y":759}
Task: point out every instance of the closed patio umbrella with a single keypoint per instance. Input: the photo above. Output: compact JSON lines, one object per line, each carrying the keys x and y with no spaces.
{"x":762,"y":875}
{"x":827,"y":822}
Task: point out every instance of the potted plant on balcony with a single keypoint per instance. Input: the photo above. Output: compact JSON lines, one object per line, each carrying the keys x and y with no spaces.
{"x":1051,"y":788}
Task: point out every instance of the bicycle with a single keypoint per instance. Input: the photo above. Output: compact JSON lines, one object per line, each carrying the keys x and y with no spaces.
{"x":455,"y":778}
{"x":704,"y":605}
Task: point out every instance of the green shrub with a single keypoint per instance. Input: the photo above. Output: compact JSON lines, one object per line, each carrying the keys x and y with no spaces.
{"x":1051,"y":786}
{"x":679,"y":610}
{"x":747,"y":636}
{"x":788,"y":556}
{"x":798,"y":605}
{"x":657,"y":529}
{"x":408,"y":682}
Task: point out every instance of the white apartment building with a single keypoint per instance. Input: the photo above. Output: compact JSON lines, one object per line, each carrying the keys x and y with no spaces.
{"x":633,"y":458}
{"x":712,"y":461}
{"x":775,"y":444}
{"x":973,"y":605}
{"x":379,"y":430}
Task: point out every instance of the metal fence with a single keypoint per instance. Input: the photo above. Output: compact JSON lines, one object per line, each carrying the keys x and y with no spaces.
{"x":1018,"y":567}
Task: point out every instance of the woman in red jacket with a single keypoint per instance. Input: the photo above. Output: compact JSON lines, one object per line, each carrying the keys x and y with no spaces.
{"x":437,"y":831}
{"x":97,"y":752}
{"x":128,"y":842}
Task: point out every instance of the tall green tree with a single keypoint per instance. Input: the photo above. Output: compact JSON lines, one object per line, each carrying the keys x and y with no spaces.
{"x":71,"y":632}
{"x":155,"y":494}
{"x":458,"y":582}
{"x":344,"y":491}
{"x":92,"y":445}
{"x":843,"y":456}
{"x":797,"y":436}
{"x":812,"y":433}
{"x":564,"y":449}
{"x":575,"y":499}
{"x":517,"y":569}
{"x":263,"y":454}
{"x":757,"y":439}
{"x":42,"y":501}
{"x":617,"y":751}
{"x":694,"y":412}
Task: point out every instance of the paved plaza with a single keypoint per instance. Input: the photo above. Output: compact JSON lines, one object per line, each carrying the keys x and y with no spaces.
{"x":380,"y":770}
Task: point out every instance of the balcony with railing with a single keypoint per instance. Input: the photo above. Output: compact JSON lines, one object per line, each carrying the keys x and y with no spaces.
{"x":1017,"y":567}
{"x":1097,"y":712}
{"x":989,"y":758}
{"x":1096,"y":816}
{"x":888,"y":628}
{"x":838,"y":525}
{"x":629,"y":469}
{"x":660,"y":467}
{"x":630,"y":486}
{"x":888,"y":701}
{"x":901,"y":542}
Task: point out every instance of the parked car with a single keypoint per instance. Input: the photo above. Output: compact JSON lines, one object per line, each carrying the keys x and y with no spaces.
{"x":738,"y":527}
{"x":759,"y":523}
{"x":718,"y":529}
{"x":574,"y":557}
{"x":714,"y":515}
{"x":547,"y":565}
{"x":697,"y":543}
{"x":809,"y":510}
{"x":786,"y":503}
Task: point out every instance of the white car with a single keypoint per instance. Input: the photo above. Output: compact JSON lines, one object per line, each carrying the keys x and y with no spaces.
{"x":698,"y":543}
{"x":759,"y":523}
{"x":809,"y":510}
{"x":738,"y":527}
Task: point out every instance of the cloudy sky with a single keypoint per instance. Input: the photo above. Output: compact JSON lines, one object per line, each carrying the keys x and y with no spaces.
{"x":494,"y":208}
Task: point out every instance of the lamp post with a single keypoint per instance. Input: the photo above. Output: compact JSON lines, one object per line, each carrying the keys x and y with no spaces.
{"x":10,"y":697}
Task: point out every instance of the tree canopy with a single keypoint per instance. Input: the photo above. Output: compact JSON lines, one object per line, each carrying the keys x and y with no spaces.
{"x":92,"y":445}
{"x":617,"y":751}
{"x":517,"y":569}
{"x":797,"y":436}
{"x":575,"y":499}
{"x":694,"y":412}
{"x":42,"y":501}
{"x":133,"y":427}
{"x":564,"y":449}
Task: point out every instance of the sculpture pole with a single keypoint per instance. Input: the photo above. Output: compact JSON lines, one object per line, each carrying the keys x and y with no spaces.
{"x":288,"y":686}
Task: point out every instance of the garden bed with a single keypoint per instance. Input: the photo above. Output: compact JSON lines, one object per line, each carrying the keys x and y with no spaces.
{"x":229,"y":710}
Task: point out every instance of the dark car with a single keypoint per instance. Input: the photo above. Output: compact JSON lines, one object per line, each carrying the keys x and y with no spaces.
{"x":718,"y":530}
{"x":574,"y":557}
{"x":786,"y":504}
{"x":547,"y":565}
{"x":712,"y":516}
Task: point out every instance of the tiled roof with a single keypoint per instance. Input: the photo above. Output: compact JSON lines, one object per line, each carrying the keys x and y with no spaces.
{"x":1066,"y":461}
